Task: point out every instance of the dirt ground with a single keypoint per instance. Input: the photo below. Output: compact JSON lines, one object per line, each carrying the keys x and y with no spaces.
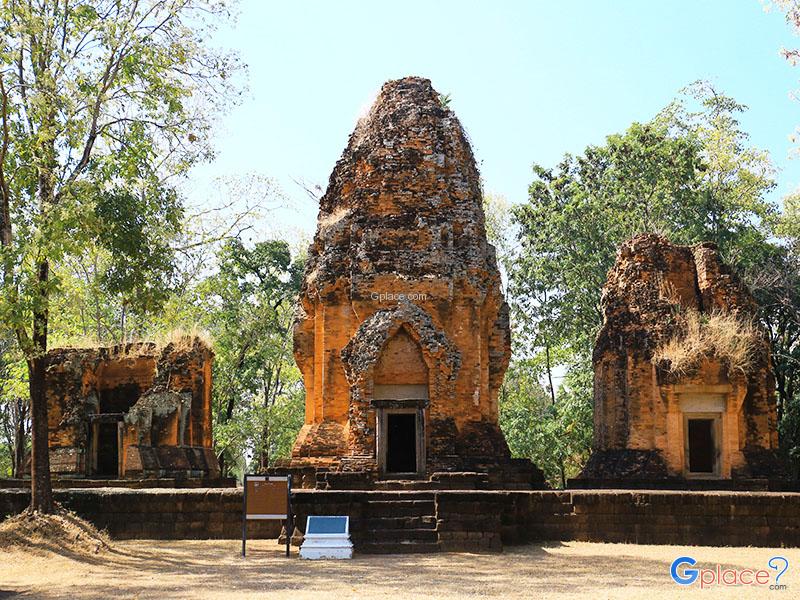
{"x":215,"y":570}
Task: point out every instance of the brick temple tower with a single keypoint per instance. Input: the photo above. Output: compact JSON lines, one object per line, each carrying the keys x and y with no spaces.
{"x":710,"y":423}
{"x":402,"y":333}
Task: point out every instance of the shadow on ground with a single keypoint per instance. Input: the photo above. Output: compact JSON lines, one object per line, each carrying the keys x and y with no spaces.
{"x":200,"y":569}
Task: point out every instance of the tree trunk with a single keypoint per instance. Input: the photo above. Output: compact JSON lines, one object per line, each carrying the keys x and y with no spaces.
{"x":223,"y":466}
{"x":263,"y":462}
{"x":553,"y":401}
{"x":41,"y":488}
{"x":21,"y":415}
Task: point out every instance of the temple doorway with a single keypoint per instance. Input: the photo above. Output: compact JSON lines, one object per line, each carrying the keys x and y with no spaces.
{"x":114,"y":400}
{"x":701,"y":442}
{"x":400,"y":397}
{"x":105,"y":448}
{"x":401,"y":443}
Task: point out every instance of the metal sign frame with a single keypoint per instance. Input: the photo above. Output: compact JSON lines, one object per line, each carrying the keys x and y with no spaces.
{"x":288,"y":517}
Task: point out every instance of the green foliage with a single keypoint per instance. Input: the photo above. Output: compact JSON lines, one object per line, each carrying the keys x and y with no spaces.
{"x":103,"y":104}
{"x":6,"y":469}
{"x":258,"y":392}
{"x":556,"y":436}
{"x":774,"y":278}
{"x":688,"y":174}
{"x":106,"y":103}
{"x":788,"y":224}
{"x":136,"y":232}
{"x":497,"y":213}
{"x":685,"y":175}
{"x":13,"y":403}
{"x":285,"y":418}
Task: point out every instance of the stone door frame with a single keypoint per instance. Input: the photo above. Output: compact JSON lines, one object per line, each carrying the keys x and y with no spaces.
{"x":93,"y":427}
{"x":381,"y":438}
{"x":716,"y":432}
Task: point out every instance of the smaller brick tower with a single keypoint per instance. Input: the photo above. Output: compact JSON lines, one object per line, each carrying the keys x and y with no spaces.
{"x":132,"y":411}
{"x":708,"y":422}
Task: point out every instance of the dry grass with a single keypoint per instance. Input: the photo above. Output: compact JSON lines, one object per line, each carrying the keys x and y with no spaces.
{"x":180,"y":338}
{"x":726,"y":336}
{"x":215,"y":570}
{"x":184,"y":339}
{"x":667,"y":291}
{"x":32,"y":531}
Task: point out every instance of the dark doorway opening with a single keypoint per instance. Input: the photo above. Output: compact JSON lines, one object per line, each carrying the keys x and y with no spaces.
{"x":702,"y":449}
{"x":119,"y":399}
{"x":107,"y":450}
{"x":401,"y":447}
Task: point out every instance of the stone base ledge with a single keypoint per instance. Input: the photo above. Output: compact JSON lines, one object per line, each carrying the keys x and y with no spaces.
{"x":475,"y":520}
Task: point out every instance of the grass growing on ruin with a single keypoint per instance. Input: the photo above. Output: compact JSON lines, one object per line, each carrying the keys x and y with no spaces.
{"x":726,"y":336}
{"x":181,"y":339}
{"x":184,"y":339}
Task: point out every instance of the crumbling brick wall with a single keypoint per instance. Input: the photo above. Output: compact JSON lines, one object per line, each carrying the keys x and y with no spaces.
{"x":158,"y":398}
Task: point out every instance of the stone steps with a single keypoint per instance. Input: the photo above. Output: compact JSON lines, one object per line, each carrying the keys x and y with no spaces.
{"x":396,"y":535}
{"x":405,"y":484}
{"x":397,"y":523}
{"x":420,"y":522}
{"x":400,"y":508}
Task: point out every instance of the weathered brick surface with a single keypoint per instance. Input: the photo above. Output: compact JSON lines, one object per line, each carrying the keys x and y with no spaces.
{"x":402,"y":289}
{"x":487,"y":520}
{"x":158,"y":395}
{"x":640,"y":406}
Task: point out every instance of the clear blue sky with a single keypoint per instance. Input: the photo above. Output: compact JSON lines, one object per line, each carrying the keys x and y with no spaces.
{"x":529,"y":80}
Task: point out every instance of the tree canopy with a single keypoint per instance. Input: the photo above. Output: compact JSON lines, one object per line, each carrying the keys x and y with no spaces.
{"x":103,"y":104}
{"x":689,"y":174}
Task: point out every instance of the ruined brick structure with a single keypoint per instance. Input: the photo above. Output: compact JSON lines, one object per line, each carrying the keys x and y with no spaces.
{"x":710,"y":422}
{"x":402,"y":334}
{"x":137,"y":410}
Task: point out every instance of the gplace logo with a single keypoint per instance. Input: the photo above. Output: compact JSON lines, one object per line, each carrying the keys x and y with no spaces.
{"x":683,"y":573}
{"x":391,"y":297}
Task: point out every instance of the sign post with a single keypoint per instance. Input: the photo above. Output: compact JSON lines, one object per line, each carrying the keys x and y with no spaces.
{"x":267,"y":497}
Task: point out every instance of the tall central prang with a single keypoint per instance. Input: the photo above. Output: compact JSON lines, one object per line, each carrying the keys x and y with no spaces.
{"x":402,"y":333}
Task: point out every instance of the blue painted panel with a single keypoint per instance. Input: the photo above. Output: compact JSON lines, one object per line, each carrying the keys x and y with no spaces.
{"x":317,"y":524}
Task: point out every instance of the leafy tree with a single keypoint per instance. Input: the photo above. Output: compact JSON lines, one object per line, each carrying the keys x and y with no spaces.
{"x":788,"y":225}
{"x":14,"y":410}
{"x":685,"y":174}
{"x":774,"y":279}
{"x":734,"y":177}
{"x":672,"y":176}
{"x":102,"y":104}
{"x":554,"y":431}
{"x":688,"y":174}
{"x":257,"y":385}
{"x":91,"y":310}
{"x":499,"y":224}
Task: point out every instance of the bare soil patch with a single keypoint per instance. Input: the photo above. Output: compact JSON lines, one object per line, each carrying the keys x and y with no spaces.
{"x":215,"y":570}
